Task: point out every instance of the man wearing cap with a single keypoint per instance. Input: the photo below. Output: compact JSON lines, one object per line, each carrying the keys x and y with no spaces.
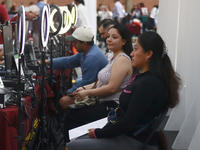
{"x":89,"y":57}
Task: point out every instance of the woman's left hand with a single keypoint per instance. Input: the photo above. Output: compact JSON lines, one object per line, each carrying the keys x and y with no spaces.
{"x":90,"y":133}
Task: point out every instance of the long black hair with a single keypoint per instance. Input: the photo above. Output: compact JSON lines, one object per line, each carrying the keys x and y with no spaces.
{"x":160,"y":64}
{"x":125,"y":34}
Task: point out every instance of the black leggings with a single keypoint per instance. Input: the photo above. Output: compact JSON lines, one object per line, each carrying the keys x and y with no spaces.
{"x":80,"y":116}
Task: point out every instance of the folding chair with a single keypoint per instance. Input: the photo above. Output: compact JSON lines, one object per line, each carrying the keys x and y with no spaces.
{"x":154,"y":126}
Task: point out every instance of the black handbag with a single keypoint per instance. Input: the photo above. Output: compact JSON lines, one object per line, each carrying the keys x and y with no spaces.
{"x":112,"y":116}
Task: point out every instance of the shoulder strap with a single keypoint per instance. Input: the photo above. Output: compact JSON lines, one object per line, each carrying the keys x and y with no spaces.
{"x":94,"y":84}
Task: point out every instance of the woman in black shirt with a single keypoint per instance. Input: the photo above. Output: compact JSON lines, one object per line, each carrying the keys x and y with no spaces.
{"x":153,"y":90}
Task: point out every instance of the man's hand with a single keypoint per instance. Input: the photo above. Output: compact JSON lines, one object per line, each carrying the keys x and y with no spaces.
{"x":46,"y":62}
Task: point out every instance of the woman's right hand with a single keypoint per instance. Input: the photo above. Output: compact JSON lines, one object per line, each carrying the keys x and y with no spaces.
{"x":79,"y":89}
{"x":79,"y":95}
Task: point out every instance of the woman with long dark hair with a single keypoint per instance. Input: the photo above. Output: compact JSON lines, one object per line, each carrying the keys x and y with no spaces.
{"x":153,"y":90}
{"x":118,"y":73}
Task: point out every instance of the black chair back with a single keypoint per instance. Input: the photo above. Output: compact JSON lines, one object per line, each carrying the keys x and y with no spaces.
{"x":154,"y":126}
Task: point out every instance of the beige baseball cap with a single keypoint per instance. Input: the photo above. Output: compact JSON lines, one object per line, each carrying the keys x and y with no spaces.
{"x":82,"y":34}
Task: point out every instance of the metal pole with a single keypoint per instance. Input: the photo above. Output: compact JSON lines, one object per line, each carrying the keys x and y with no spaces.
{"x":20,"y":124}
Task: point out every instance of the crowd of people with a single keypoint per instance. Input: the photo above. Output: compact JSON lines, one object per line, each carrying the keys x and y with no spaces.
{"x":140,"y":81}
{"x":149,"y":19}
{"x":14,"y":8}
{"x":138,"y":20}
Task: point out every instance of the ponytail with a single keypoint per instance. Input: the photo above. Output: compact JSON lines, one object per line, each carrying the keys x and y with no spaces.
{"x":160,"y":65}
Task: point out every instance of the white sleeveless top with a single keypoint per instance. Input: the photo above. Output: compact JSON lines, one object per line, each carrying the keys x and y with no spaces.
{"x":104,"y":77}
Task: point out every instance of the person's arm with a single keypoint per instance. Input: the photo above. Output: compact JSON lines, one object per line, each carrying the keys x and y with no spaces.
{"x":118,"y":12}
{"x":66,"y":62}
{"x":90,"y":70}
{"x":120,"y":69}
{"x":152,"y":17}
{"x":87,"y":87}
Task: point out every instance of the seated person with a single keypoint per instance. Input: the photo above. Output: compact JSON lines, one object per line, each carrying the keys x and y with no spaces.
{"x":111,"y":81}
{"x":103,"y":28}
{"x":89,"y":57}
{"x":154,"y":89}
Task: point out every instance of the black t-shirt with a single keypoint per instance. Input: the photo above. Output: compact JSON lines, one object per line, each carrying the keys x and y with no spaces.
{"x":140,"y":103}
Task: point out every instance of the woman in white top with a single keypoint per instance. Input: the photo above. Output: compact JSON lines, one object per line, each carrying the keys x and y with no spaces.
{"x":83,"y":20}
{"x":118,"y":73}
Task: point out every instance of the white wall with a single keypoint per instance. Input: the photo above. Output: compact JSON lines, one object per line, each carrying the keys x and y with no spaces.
{"x":179,"y":25}
{"x":92,"y":8}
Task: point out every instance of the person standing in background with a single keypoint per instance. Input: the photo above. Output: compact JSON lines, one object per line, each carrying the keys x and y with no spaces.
{"x":3,"y":3}
{"x":41,"y":3}
{"x":13,"y":8}
{"x":3,"y":14}
{"x":154,"y":18}
{"x":26,"y":8}
{"x":118,"y":12}
{"x":144,"y":16}
{"x":83,"y":20}
{"x":135,"y":11}
{"x":106,"y":13}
